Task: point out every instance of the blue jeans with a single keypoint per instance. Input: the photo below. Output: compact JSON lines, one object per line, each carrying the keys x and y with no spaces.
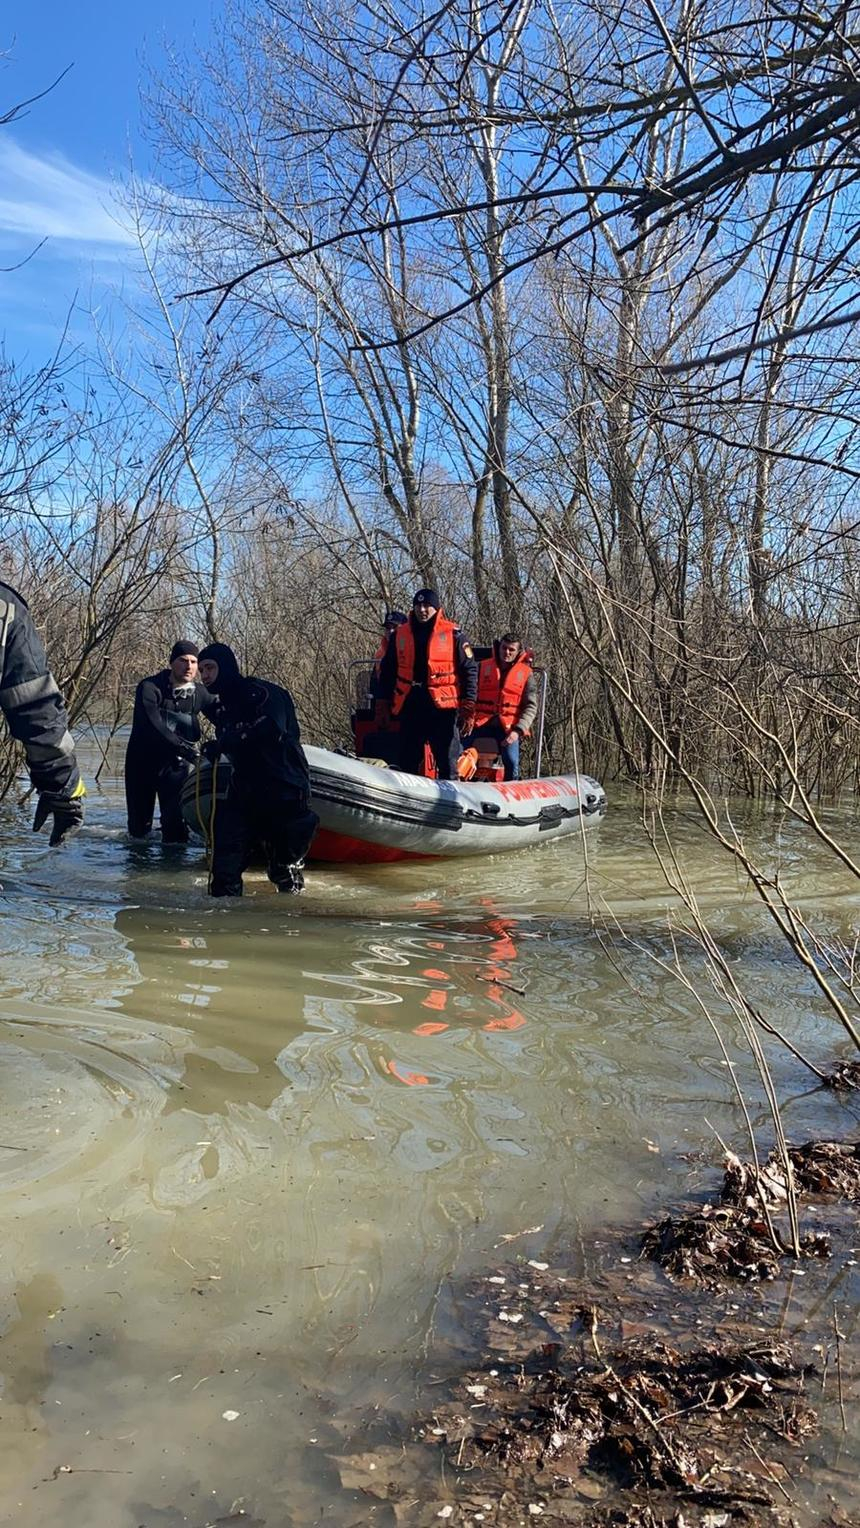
{"x":510,"y":752}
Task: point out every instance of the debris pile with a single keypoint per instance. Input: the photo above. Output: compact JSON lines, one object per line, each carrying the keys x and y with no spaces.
{"x":827,"y":1167}
{"x":571,"y":1423}
{"x":625,"y":1399}
{"x":844,"y":1077}
{"x":711,"y":1245}
{"x":746,"y":1235}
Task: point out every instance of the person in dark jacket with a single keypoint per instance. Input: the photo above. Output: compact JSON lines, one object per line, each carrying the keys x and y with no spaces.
{"x":382,"y":743}
{"x":165,"y":734}
{"x":36,"y":716}
{"x":429,"y":680}
{"x":390,"y":622}
{"x":266,"y":806}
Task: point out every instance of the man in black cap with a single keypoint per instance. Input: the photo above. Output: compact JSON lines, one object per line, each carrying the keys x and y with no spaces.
{"x":429,"y":679}
{"x":390,"y":622}
{"x":266,"y":806}
{"x":377,"y":737}
{"x":165,"y":732}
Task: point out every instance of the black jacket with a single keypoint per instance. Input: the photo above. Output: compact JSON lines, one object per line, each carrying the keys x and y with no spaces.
{"x":165,"y":726}
{"x":257,"y":727}
{"x":31,"y":701}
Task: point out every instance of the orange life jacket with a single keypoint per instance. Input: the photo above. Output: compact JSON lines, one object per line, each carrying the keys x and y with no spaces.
{"x":500,"y":691}
{"x":441,"y":664}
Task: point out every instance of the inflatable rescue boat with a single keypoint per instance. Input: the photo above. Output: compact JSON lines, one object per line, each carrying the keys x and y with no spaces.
{"x":369,"y":814}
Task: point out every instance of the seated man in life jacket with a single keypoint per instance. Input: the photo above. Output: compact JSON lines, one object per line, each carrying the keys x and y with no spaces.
{"x":267,"y":804}
{"x":428,"y":679}
{"x":507,"y":700}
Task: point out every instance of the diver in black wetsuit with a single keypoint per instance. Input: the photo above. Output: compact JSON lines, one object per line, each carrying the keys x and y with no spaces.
{"x":267,"y":804}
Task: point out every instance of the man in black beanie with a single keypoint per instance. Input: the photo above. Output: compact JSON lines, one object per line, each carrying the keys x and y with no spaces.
{"x":165,"y":732}
{"x":429,"y":679}
{"x":266,"y":807}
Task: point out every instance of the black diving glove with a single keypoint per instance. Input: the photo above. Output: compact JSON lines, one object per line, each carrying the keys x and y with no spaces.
{"x":68,"y":814}
{"x":211,"y":750}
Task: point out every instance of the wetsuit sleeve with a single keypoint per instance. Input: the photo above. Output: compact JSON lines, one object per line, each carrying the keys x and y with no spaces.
{"x":290,"y":719}
{"x":286,"y":764}
{"x":467,"y":669}
{"x":529,"y":707}
{"x":32,"y":704}
{"x":149,"y":702}
{"x":205,"y":702}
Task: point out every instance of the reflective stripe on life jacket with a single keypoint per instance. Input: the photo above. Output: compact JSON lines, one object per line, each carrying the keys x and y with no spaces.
{"x":441,"y":664}
{"x":500,"y":691}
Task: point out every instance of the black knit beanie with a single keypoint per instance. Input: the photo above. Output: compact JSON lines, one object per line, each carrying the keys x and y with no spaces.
{"x":427,"y":597}
{"x":184,"y":650}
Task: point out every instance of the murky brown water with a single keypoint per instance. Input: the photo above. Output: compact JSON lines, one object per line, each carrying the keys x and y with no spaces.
{"x":246,"y":1150}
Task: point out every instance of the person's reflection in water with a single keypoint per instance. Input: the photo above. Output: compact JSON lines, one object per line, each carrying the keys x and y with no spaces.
{"x":237,"y":1037}
{"x":25,"y":1351}
{"x":499,"y":975}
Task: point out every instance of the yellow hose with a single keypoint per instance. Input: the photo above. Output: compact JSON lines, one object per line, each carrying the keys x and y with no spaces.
{"x":212,"y":810}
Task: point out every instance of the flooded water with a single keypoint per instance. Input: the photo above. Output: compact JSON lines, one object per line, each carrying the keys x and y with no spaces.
{"x":247,"y":1151}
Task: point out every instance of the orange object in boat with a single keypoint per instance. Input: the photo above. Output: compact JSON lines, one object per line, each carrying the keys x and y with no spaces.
{"x":467,"y":764}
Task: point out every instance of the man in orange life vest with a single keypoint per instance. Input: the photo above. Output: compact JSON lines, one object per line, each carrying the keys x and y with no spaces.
{"x":507,"y":700}
{"x":429,"y":678}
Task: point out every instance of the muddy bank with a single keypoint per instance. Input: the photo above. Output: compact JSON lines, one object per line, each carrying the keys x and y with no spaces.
{"x":678,"y":1385}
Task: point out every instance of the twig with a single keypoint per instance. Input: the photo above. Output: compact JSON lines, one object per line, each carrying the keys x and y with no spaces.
{"x":765,"y":1466}
{"x":838,"y":1336}
{"x":508,"y":986}
{"x":515,"y":1235}
{"x":74,"y":1469}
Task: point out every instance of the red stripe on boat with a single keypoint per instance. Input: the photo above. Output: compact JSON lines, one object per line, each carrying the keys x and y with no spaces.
{"x":340,"y":849}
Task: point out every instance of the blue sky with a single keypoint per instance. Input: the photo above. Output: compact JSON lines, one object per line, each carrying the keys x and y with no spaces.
{"x":59,"y":163}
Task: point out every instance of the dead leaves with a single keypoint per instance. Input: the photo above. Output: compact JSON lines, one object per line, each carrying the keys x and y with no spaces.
{"x":739,"y":1238}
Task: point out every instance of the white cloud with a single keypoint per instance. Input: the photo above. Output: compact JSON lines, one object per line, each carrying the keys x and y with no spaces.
{"x":46,"y":196}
